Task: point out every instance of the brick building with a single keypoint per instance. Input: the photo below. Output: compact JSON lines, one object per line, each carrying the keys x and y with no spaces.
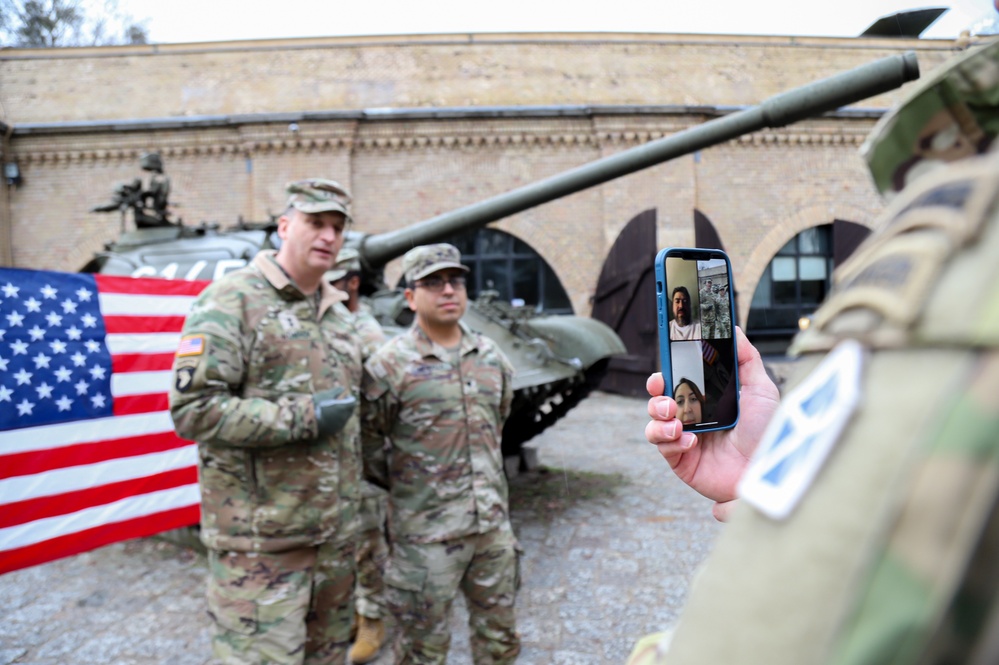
{"x":421,"y":125}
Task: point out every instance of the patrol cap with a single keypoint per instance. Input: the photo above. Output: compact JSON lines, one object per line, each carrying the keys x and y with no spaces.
{"x":318,"y":195}
{"x":951,"y":115}
{"x":426,"y":259}
{"x":347,"y":261}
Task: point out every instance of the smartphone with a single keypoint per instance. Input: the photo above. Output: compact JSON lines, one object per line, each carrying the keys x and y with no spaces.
{"x":697,"y":350}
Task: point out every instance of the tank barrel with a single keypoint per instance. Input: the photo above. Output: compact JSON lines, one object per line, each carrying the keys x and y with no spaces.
{"x":788,"y":107}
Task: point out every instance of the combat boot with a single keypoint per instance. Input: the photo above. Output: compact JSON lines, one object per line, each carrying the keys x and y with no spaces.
{"x":370,"y":636}
{"x":353,"y":626}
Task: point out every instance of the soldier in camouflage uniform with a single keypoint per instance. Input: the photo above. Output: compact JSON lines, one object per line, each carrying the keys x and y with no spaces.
{"x":708,"y":309}
{"x":440,"y":394}
{"x":372,"y":550}
{"x":346,"y":276}
{"x":723,"y":312}
{"x":265,"y":380}
{"x":868,"y":526}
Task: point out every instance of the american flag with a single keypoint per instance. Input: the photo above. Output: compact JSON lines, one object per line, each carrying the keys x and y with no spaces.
{"x":88,"y":455}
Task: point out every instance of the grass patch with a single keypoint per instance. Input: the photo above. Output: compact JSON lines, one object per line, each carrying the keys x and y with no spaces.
{"x":552,"y":490}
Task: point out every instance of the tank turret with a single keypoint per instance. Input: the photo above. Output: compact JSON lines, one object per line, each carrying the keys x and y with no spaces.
{"x":558,"y":359}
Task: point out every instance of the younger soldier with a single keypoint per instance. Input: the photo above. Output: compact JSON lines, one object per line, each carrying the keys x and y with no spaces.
{"x":441,"y":393}
{"x":372,"y":550}
{"x":264,"y":381}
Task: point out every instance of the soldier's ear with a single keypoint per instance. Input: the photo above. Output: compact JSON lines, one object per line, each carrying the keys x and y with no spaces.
{"x":282,"y":229}
{"x":409,"y":293}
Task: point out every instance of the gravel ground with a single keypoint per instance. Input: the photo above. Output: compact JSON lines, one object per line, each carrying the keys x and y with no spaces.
{"x":611,"y":542}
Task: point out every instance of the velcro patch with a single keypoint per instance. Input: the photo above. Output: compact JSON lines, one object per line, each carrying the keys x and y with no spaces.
{"x":803,"y":432}
{"x":191,"y":345}
{"x":183,"y":379}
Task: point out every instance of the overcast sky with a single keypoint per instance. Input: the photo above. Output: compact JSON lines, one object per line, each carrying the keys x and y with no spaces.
{"x":174,"y":21}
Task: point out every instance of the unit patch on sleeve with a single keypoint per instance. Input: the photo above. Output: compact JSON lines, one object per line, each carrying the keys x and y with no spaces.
{"x":191,"y":345}
{"x":184,"y":377}
{"x":803,"y":432}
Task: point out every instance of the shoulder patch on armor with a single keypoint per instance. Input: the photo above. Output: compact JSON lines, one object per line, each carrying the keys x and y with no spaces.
{"x":803,"y":432}
{"x":893,"y":280}
{"x":191,"y":345}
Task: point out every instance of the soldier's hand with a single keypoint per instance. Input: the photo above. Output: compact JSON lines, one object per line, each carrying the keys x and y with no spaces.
{"x":333,"y":409}
{"x":713,"y":462}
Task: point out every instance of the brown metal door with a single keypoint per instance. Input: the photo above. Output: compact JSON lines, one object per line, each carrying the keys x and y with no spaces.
{"x":626,"y":301}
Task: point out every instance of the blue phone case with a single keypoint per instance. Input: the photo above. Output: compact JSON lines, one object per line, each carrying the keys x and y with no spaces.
{"x":663,"y":302}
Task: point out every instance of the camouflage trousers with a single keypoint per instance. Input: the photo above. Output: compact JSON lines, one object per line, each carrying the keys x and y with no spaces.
{"x":282,"y":607}
{"x":372,"y":554}
{"x":709,"y":330}
{"x":422,"y":581}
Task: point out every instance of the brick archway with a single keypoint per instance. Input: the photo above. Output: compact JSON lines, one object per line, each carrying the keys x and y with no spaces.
{"x":786,"y":229}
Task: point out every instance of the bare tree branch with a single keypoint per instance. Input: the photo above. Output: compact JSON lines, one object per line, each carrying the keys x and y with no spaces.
{"x":50,"y":23}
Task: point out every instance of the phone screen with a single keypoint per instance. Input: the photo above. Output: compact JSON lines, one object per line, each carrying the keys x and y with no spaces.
{"x":697,"y":338}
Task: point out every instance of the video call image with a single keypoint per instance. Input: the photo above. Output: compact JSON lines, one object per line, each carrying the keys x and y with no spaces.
{"x":701,"y":345}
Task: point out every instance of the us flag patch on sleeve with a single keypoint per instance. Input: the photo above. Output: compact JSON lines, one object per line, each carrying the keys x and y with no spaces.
{"x":193,"y":345}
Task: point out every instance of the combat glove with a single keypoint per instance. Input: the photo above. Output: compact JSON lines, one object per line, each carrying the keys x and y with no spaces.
{"x":333,"y":409}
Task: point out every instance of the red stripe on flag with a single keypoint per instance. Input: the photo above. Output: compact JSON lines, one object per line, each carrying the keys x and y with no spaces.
{"x":142,"y":324}
{"x":128,"y":405}
{"x":39,"y":461}
{"x":82,"y":541}
{"x":140,"y":362}
{"x":21,"y":512}
{"x":147,"y":285}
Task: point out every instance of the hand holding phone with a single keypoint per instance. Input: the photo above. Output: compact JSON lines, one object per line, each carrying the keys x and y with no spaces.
{"x":697,"y":346}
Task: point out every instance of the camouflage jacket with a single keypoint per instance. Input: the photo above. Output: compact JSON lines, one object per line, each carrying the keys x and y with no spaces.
{"x":443,"y":466}
{"x":369,"y":331}
{"x":253,"y":352}
{"x":372,"y":337}
{"x":892,"y":553}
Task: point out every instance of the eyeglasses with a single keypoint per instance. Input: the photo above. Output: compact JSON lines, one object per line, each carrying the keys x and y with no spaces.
{"x":436,"y":283}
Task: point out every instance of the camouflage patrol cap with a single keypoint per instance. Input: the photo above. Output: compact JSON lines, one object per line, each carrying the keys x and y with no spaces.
{"x":951,"y":115}
{"x":426,"y":259}
{"x":347,"y":261}
{"x":318,"y":195}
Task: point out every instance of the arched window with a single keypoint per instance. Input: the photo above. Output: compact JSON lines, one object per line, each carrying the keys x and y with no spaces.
{"x":796,"y":281}
{"x":502,"y":263}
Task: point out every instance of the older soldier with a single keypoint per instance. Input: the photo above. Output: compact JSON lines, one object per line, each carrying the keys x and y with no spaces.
{"x":372,"y":550}
{"x":440,"y":394}
{"x":265,"y":380}
{"x":867,"y":527}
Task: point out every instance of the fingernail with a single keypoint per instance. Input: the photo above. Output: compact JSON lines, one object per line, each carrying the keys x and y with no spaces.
{"x":671,"y":429}
{"x":687,"y":440}
{"x":662,"y":408}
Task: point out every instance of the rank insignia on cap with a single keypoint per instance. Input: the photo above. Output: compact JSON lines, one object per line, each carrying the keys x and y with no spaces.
{"x":803,"y":432}
{"x":193,"y":345}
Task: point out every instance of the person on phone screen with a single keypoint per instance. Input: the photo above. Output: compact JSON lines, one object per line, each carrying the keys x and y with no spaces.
{"x":689,"y":402}
{"x":682,"y":326}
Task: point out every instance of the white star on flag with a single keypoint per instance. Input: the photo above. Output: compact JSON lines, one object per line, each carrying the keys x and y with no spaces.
{"x":88,"y":454}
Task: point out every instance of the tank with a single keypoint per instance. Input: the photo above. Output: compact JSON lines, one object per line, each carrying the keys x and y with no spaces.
{"x":558,"y":359}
